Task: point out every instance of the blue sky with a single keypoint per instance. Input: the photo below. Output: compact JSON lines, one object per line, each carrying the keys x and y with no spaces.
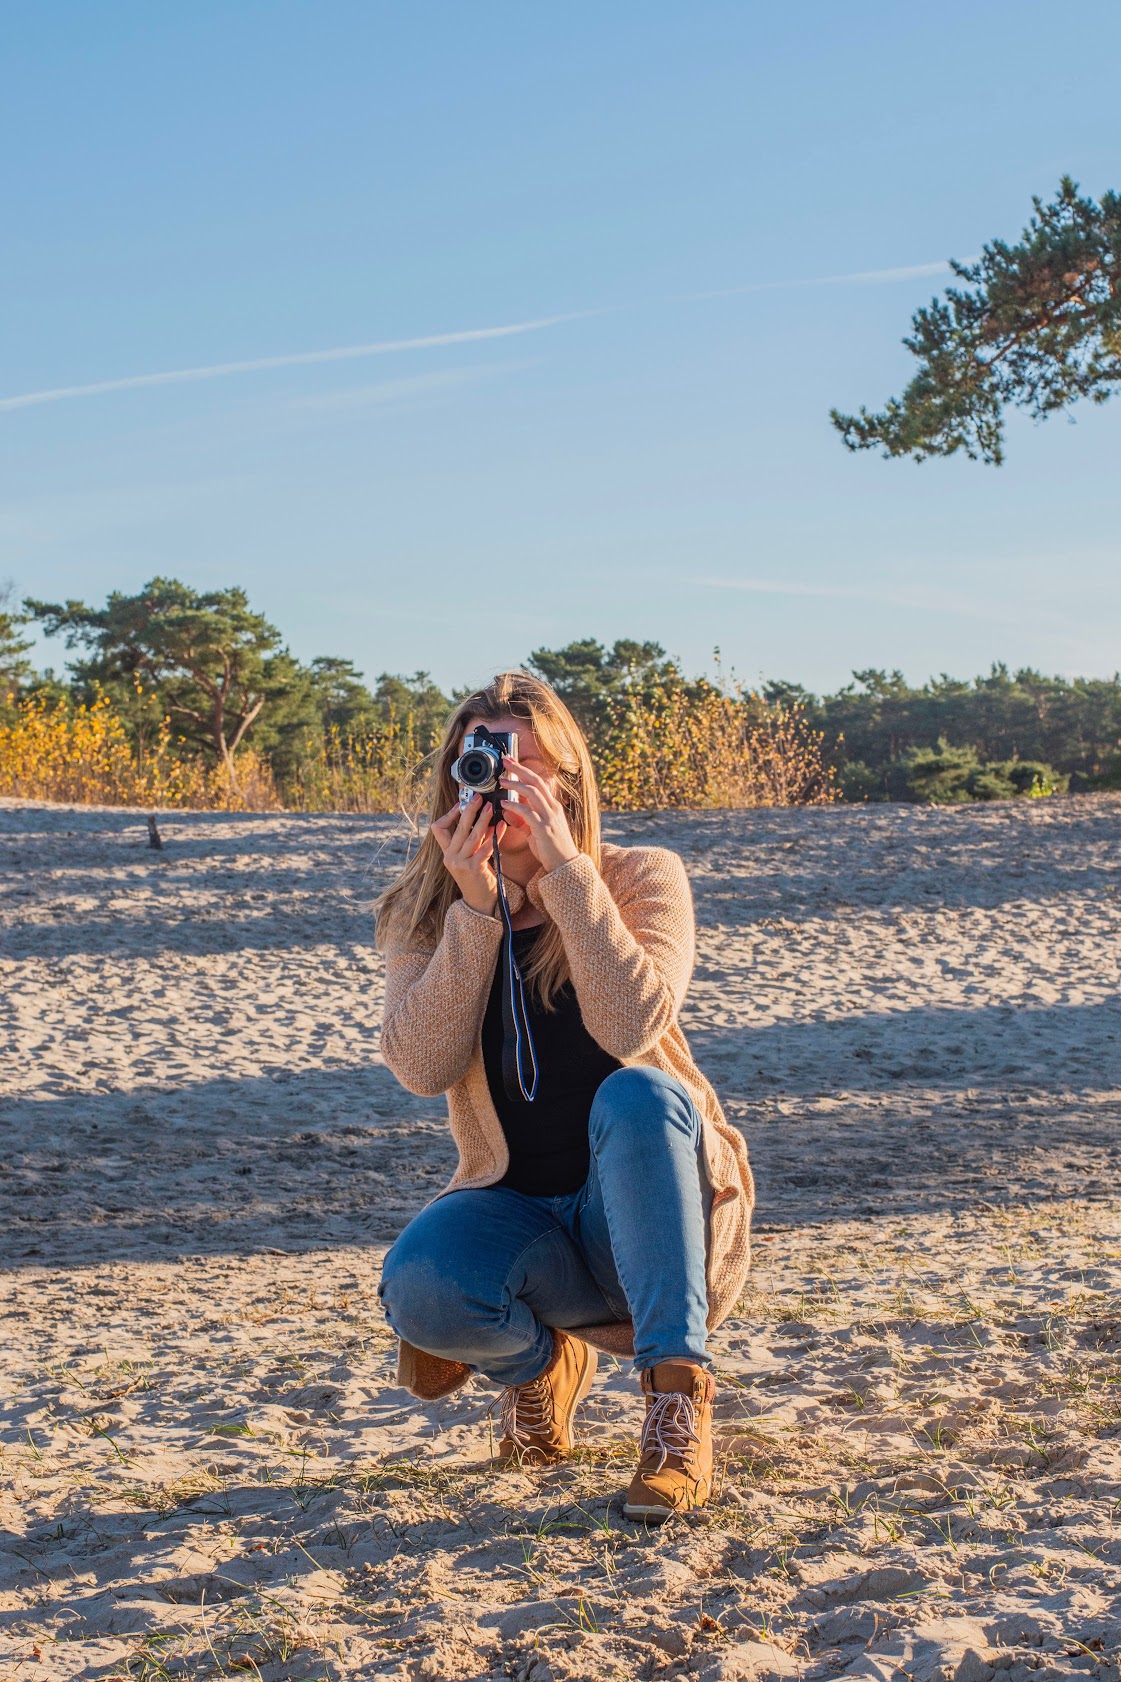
{"x":191,"y":187}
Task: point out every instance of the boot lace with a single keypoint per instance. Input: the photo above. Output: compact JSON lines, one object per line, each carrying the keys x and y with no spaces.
{"x":525,"y":1410}
{"x":670,"y":1428}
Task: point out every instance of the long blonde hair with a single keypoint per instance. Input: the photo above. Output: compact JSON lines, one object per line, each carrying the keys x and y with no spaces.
{"x":416,"y":904}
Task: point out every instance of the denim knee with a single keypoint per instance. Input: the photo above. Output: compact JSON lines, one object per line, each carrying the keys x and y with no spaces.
{"x":423,"y":1304}
{"x":645,"y":1101}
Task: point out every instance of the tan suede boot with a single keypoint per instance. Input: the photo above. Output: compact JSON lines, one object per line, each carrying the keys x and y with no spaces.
{"x":537,"y":1417}
{"x":675,"y":1452}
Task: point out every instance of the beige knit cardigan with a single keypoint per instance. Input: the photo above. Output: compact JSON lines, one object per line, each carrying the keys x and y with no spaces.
{"x":629,"y":938}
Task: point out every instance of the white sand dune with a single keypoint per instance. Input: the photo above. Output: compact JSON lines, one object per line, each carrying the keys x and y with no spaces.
{"x":915,"y":1015}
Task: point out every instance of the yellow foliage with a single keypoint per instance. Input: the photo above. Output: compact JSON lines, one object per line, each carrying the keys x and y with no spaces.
{"x":700,"y":747}
{"x":374,"y":770}
{"x":82,"y":755}
{"x":695,"y":747}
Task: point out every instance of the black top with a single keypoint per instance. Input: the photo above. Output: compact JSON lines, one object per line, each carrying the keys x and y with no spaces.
{"x":548,"y":1139}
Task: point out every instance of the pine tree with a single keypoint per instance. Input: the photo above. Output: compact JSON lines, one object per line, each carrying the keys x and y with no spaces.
{"x":1037,"y":327}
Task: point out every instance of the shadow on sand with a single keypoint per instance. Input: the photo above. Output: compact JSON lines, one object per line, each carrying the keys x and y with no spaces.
{"x":345,"y":1156}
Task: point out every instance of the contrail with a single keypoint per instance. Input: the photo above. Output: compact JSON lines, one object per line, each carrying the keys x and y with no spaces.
{"x":385,"y":347}
{"x":864,"y":277}
{"x":301,"y":359}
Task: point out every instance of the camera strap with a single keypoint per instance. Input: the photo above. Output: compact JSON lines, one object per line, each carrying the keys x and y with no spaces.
{"x":519,"y":1059}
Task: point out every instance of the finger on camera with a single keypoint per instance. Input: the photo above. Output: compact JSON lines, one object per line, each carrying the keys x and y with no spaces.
{"x":476,"y":844}
{"x":444,"y":828}
{"x":524,"y":773}
{"x":451,"y":825}
{"x":526,"y":790}
{"x":524,"y":803}
{"x":466,"y":824}
{"x":469,"y":839}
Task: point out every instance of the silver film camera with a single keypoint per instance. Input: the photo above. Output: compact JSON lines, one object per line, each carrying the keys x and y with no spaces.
{"x":479,"y":766}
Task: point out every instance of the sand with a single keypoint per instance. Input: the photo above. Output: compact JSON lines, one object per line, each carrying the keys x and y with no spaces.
{"x":913,"y":1014}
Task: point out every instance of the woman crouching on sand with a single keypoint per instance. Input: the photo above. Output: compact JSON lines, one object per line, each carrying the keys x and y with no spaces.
{"x":601,"y":1199}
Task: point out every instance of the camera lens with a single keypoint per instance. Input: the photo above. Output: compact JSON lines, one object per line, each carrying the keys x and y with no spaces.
{"x":478,"y":768}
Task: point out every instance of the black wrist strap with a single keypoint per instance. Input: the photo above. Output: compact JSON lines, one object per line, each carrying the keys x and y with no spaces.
{"x":519,"y":1059}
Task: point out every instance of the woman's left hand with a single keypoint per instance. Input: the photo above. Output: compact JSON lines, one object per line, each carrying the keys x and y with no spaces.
{"x":538,"y":810}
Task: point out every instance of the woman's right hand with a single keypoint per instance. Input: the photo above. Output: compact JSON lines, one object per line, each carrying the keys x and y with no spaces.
{"x":465,"y":839}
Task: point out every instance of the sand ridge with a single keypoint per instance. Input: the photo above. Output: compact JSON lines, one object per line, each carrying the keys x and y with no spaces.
{"x":914,"y":1014}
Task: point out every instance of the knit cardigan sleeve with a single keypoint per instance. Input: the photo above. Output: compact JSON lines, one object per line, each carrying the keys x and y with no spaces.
{"x":435,"y":999}
{"x":630,"y":958}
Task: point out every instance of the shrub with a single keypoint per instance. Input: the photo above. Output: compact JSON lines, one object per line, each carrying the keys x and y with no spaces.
{"x":82,"y":754}
{"x":376,"y":769}
{"x":948,"y":775}
{"x":860,"y":781}
{"x":696,"y":746}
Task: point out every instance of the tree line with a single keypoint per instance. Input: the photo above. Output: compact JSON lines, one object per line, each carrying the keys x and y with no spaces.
{"x":219,"y":672}
{"x":990,"y":737}
{"x":213,"y":666}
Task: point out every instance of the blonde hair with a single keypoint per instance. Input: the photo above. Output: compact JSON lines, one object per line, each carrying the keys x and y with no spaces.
{"x":418,"y":901}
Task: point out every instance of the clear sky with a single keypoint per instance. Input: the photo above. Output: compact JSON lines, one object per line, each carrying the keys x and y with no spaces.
{"x":660,"y":197}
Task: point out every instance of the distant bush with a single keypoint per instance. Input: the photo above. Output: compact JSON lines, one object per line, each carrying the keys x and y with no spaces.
{"x":947,"y":775}
{"x":132,"y":725}
{"x":1001,"y":721}
{"x":667,"y":745}
{"x":858,"y":780}
{"x":660,"y":740}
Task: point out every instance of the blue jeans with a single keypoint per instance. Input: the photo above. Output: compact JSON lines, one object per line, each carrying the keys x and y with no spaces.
{"x":481,"y":1276}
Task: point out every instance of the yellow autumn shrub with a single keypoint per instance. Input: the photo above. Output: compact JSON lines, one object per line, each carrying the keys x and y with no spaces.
{"x":376,"y":769}
{"x":696,"y":747}
{"x":82,"y":755}
{"x":686,"y":747}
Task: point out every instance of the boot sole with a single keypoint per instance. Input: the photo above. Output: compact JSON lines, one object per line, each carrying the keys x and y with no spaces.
{"x":657,"y":1514}
{"x":657,"y":1511}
